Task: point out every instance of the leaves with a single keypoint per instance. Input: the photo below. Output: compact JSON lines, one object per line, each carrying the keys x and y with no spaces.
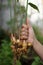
{"x":37,"y":61}
{"x":18,"y":62}
{"x":6,"y":54}
{"x":34,"y":6}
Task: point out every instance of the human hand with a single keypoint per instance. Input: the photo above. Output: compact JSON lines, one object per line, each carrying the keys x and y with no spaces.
{"x":27,"y":33}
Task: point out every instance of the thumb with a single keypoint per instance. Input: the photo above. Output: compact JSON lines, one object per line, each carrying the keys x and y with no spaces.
{"x":30,"y":37}
{"x":28,"y":23}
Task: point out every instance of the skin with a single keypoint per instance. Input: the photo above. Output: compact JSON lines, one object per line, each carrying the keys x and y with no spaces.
{"x":28,"y":34}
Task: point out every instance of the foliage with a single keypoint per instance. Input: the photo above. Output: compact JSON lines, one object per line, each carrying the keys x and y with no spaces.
{"x":6,"y":53}
{"x":37,"y":61}
{"x":34,"y":6}
{"x":18,"y":62}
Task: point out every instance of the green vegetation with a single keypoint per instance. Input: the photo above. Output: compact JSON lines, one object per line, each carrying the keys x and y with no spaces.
{"x":6,"y":53}
{"x":37,"y":61}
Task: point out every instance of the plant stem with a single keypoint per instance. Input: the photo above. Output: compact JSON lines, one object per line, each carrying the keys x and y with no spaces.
{"x":26,"y":10}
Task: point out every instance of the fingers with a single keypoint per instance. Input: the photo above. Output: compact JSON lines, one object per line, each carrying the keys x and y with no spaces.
{"x":31,"y":35}
{"x":23,"y":37}
{"x":24,"y":26}
{"x":28,"y":23}
{"x":24,"y":32}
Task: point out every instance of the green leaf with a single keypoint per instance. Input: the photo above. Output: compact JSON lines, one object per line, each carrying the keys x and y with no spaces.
{"x":34,"y":6}
{"x":37,"y":61}
{"x":18,"y":62}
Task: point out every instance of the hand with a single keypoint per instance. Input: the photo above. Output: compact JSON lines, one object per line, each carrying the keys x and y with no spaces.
{"x":27,"y":32}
